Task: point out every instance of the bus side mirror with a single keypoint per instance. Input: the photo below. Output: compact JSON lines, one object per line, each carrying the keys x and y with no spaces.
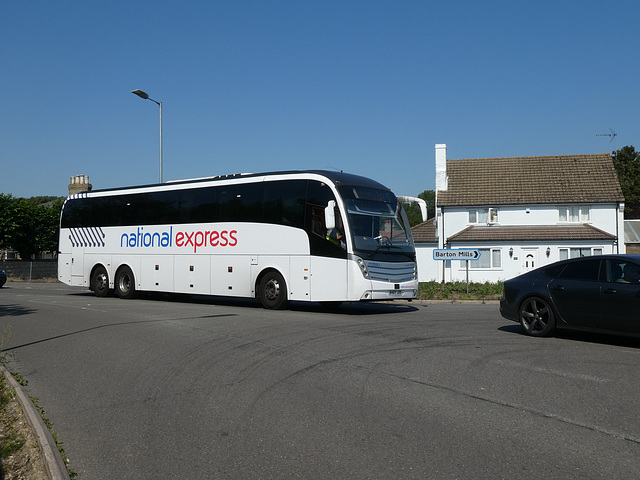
{"x":330,"y":215}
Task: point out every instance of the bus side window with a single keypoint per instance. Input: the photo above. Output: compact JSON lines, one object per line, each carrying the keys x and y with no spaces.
{"x":283,"y":202}
{"x":317,"y":221}
{"x":240,"y":203}
{"x":318,"y":197}
{"x":336,"y":235}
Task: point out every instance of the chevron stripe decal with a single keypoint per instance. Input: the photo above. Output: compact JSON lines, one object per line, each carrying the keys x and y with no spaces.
{"x":87,"y":237}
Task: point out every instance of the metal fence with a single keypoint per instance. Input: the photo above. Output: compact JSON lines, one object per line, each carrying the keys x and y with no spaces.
{"x":29,"y":271}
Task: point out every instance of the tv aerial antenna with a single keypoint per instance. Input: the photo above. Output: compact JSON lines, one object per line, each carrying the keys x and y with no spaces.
{"x":613,"y":135}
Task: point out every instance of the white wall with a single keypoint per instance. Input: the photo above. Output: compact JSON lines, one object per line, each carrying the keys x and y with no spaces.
{"x":602,"y":217}
{"x":426,"y":264}
{"x":511,"y":265}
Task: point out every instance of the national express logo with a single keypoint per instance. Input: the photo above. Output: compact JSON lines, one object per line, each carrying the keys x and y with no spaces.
{"x":182,"y":239}
{"x":95,"y":237}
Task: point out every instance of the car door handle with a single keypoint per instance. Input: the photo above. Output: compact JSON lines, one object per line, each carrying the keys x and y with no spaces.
{"x":558,"y":287}
{"x":609,"y":291}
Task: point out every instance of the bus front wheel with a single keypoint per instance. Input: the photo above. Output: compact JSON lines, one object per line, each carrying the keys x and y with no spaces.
{"x":273,"y":291}
{"x":100,"y":281}
{"x":125,"y":283}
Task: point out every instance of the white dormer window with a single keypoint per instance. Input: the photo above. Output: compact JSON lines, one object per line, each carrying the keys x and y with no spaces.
{"x":574,"y":214}
{"x":483,"y":215}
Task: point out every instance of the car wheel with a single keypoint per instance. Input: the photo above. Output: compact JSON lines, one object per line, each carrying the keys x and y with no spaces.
{"x":273,"y":291}
{"x":536,"y":317}
{"x":100,"y":282}
{"x":125,"y":283}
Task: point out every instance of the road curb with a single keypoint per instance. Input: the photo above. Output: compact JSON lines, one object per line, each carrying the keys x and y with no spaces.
{"x":443,"y":302}
{"x":56,"y":468}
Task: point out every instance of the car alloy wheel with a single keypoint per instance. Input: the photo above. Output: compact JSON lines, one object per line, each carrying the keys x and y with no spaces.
{"x":536,"y":317}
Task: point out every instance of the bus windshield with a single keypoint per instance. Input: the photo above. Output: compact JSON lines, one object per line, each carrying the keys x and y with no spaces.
{"x":379,"y":226}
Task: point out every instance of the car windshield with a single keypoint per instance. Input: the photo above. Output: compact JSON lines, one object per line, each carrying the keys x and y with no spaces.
{"x":379,"y":226}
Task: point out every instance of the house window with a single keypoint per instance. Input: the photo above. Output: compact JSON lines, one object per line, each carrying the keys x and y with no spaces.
{"x":496,"y":258}
{"x":574,"y":214}
{"x":489,"y":258}
{"x":579,"y":252}
{"x":483,"y":215}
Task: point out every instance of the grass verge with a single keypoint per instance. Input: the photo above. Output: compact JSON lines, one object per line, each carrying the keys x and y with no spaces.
{"x":11,"y":440}
{"x":458,"y":291}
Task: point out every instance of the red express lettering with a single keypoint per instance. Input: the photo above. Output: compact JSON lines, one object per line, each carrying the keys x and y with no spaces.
{"x":213,"y":238}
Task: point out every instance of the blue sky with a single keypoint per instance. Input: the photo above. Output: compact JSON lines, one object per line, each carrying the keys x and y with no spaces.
{"x":368,"y":87}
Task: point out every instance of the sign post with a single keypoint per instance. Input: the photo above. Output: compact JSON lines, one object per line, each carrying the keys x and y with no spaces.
{"x":465,"y":254}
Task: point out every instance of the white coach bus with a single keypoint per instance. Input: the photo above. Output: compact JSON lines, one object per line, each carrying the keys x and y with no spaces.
{"x":304,"y":236}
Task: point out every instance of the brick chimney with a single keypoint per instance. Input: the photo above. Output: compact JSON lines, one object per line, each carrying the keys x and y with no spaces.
{"x":79,"y":184}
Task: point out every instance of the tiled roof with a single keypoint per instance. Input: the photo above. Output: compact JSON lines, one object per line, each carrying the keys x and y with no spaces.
{"x":531,"y":180}
{"x":425,"y":232}
{"x":534,"y":233}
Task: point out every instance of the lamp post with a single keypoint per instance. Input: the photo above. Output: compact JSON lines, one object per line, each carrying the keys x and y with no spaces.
{"x":145,"y":96}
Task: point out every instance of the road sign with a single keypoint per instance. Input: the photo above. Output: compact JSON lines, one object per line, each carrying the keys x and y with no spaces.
{"x":456,"y":254}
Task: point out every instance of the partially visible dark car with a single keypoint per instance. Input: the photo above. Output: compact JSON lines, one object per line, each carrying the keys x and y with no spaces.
{"x":3,"y":277}
{"x":598,"y":293}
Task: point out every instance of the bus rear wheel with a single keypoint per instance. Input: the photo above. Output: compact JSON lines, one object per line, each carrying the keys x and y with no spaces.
{"x":125,"y":283}
{"x":100,"y":282}
{"x":273,"y":291}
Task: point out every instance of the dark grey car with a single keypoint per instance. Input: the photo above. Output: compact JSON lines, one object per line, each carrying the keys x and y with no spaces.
{"x":599,"y":293}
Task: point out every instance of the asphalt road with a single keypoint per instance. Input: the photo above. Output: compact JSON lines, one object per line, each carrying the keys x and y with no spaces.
{"x":182,"y":388}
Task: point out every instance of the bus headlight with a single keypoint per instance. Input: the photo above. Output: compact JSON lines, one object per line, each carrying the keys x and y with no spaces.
{"x":363,"y":268}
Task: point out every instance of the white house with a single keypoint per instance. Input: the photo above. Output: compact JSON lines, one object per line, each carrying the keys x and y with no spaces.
{"x":520,"y":213}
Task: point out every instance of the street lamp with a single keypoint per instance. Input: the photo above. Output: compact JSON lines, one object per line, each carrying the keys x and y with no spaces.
{"x":146,"y":96}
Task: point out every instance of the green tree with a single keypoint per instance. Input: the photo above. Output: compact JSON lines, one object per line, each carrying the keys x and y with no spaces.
{"x":24,"y":236}
{"x":49,"y":227}
{"x":8,"y":205}
{"x":29,"y":226}
{"x":627,"y":164}
{"x":413,"y":211}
